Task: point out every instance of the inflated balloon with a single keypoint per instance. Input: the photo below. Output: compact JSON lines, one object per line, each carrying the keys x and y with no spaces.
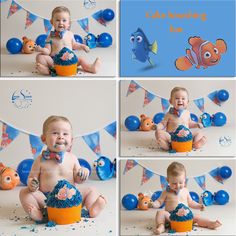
{"x":132,"y":123}
{"x":194,"y":196}
{"x":194,"y":117}
{"x":105,"y":168}
{"x":78,"y":38}
{"x":222,"y":95}
{"x":207,"y":198}
{"x":14,"y":45}
{"x":104,"y":40}
{"x":23,"y":170}
{"x":225,"y":172}
{"x":108,"y":15}
{"x":84,"y":163}
{"x":219,"y":119}
{"x":206,"y":119}
{"x":158,"y":117}
{"x":155,"y":196}
{"x":40,"y":40}
{"x":130,"y":201}
{"x":221,"y":197}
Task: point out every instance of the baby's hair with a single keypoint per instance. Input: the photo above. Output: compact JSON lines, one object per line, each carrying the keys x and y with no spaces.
{"x":176,"y":89}
{"x":60,"y":9}
{"x":175,"y":169}
{"x":52,"y":119}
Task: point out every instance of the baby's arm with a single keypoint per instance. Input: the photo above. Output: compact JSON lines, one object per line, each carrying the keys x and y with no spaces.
{"x":46,"y":50}
{"x":162,"y":125}
{"x":193,"y":124}
{"x":33,"y":179}
{"x":79,"y":46}
{"x":194,"y":204}
{"x":160,"y":200}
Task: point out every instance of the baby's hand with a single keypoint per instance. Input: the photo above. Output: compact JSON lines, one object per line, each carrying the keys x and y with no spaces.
{"x":202,"y":207}
{"x":155,"y":204}
{"x":200,"y":125}
{"x":83,"y":173}
{"x":38,"y":48}
{"x":86,"y":48}
{"x":33,"y":185}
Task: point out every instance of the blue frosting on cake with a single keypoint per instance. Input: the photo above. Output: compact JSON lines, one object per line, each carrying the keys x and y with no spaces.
{"x":181,"y":134}
{"x":176,"y":215}
{"x":65,"y":57}
{"x":64,"y":195}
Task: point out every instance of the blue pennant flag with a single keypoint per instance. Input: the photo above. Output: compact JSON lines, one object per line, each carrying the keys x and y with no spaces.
{"x":30,"y":19}
{"x":129,"y":165}
{"x":201,"y":181}
{"x":111,"y":129}
{"x":200,"y":104}
{"x":215,"y":173}
{"x":213,"y":97}
{"x":98,"y":17}
{"x":47,"y":26}
{"x":148,"y":97}
{"x":147,"y":174}
{"x":36,"y":145}
{"x":164,"y":182}
{"x":84,"y":23}
{"x":93,"y":141}
{"x":14,"y":7}
{"x":133,"y":86}
{"x":165,"y":105}
{"x":8,"y":135}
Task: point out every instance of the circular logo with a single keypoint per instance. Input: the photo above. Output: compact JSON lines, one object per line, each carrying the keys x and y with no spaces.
{"x":22,"y":99}
{"x":225,"y":141}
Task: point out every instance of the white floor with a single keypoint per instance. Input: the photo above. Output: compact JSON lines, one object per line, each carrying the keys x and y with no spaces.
{"x":141,"y":144}
{"x":137,"y":222}
{"x":15,"y":65}
{"x":14,"y":221}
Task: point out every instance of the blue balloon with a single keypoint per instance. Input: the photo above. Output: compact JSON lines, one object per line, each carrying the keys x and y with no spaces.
{"x":221,"y":197}
{"x":108,"y":14}
{"x":194,"y":196}
{"x":223,"y":95}
{"x":194,"y":117}
{"x":78,"y":38}
{"x":158,"y":117}
{"x":132,"y":123}
{"x":129,"y":201}
{"x":104,"y":40}
{"x":85,"y":164}
{"x":23,"y":170}
{"x":40,"y":40}
{"x":14,"y":45}
{"x":219,"y":119}
{"x":225,"y":172}
{"x":155,"y":196}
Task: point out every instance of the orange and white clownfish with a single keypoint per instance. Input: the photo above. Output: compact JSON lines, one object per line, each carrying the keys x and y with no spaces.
{"x":203,"y":53}
{"x":146,"y":123}
{"x":28,"y":45}
{"x":144,"y":202}
{"x":9,"y":178}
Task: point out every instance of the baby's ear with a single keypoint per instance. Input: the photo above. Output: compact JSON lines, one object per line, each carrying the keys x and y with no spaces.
{"x":43,"y":138}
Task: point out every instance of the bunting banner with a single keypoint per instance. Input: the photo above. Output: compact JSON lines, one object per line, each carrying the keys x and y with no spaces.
{"x":89,"y":4}
{"x":36,"y":145}
{"x":98,"y":17}
{"x":14,"y":7}
{"x":47,"y":26}
{"x":130,"y":164}
{"x":200,"y":104}
{"x":93,"y":141}
{"x":165,"y":105}
{"x":201,"y":181}
{"x":84,"y":23}
{"x":147,"y":174}
{"x":30,"y":19}
{"x":163,"y":182}
{"x":216,"y":175}
{"x":133,"y":86}
{"x":111,"y":129}
{"x":148,"y":97}
{"x":213,"y":97}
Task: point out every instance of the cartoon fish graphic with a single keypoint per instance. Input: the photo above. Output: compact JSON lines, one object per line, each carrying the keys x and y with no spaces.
{"x":207,"y":198}
{"x":141,"y":46}
{"x":206,"y":119}
{"x":203,"y":53}
{"x":105,"y":168}
{"x":90,"y":40}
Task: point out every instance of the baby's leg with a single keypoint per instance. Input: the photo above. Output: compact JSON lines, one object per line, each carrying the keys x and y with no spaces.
{"x":161,"y":218}
{"x":43,"y":63}
{"x":92,"y":68}
{"x":198,"y":139}
{"x":93,"y":201}
{"x":163,"y":139}
{"x":32,"y":203}
{"x":206,"y":223}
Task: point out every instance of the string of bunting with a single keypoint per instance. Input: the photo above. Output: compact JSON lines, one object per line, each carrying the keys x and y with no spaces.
{"x":147,"y":174}
{"x":10,"y":133}
{"x":149,"y":96}
{"x":32,"y":17}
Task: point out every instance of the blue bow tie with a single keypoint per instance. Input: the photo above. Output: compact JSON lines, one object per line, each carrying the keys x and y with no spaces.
{"x":58,"y":156}
{"x":58,"y":34}
{"x":169,"y":190}
{"x":176,"y":112}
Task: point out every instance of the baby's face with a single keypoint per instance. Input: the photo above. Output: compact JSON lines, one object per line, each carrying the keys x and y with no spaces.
{"x":58,"y":136}
{"x":177,"y":182}
{"x":61,"y":21}
{"x":179,"y":100}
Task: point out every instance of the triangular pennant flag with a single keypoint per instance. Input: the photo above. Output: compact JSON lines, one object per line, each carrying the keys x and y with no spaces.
{"x":133,"y":86}
{"x":36,"y":145}
{"x":200,"y":104}
{"x":165,"y":105}
{"x":98,"y":17}
{"x":89,"y":4}
{"x":47,"y":25}
{"x":164,"y":182}
{"x":84,"y":23}
{"x":111,"y":129}
{"x":93,"y":141}
{"x":213,"y":97}
{"x":14,"y":7}
{"x":30,"y":19}
{"x":186,"y":181}
{"x":201,"y":181}
{"x":215,"y":173}
{"x":129,"y":165}
{"x":8,"y":135}
{"x":148,"y":97}
{"x":147,"y":174}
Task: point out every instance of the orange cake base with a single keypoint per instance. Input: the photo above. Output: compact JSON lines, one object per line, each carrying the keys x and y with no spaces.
{"x":182,"y":146}
{"x":183,"y":226}
{"x":66,"y":70}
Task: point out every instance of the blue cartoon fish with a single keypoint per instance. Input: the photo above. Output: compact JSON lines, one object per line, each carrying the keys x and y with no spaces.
{"x":91,"y":40}
{"x":105,"y":168}
{"x":142,"y":47}
{"x":206,"y":119}
{"x":207,"y":198}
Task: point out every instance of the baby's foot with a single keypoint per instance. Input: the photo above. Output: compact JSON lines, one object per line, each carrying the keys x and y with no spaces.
{"x":35,"y":213}
{"x":214,"y":224}
{"x":199,"y":143}
{"x":163,"y":144}
{"x":96,"y":66}
{"x":42,"y":69}
{"x":97,"y":206}
{"x":159,"y":230}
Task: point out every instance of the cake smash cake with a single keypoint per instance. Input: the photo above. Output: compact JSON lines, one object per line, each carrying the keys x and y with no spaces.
{"x":64,"y":204}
